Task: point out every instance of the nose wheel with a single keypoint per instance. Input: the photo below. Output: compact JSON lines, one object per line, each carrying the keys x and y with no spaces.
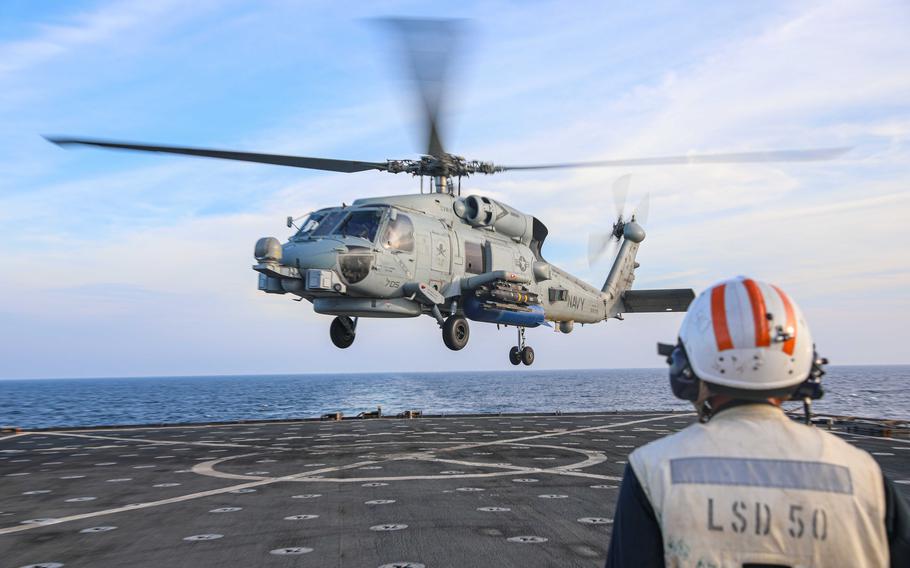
{"x":455,"y":332}
{"x":521,"y":353}
{"x":342,"y":331}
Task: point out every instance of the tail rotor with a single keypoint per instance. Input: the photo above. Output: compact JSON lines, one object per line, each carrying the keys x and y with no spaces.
{"x":604,"y":244}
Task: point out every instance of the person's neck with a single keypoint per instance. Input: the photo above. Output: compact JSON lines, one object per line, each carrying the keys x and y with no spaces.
{"x":721,"y":402}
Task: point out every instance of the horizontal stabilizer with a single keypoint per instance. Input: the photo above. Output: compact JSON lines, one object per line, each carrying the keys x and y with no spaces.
{"x":642,"y":301}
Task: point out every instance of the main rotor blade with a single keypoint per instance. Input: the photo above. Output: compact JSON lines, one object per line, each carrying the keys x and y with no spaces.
{"x":328,"y":164}
{"x":810,"y":155}
{"x":429,"y":46}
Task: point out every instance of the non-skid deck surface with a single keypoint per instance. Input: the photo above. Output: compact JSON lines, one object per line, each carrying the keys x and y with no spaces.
{"x":511,"y":490}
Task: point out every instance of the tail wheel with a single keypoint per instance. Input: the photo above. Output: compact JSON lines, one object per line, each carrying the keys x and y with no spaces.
{"x":455,"y":333}
{"x":342,"y":332}
{"x":515,"y":355}
{"x":527,"y":356}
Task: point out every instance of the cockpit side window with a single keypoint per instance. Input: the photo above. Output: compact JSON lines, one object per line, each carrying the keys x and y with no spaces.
{"x":310,"y":223}
{"x":328,"y":222}
{"x":363,"y":224}
{"x":399,"y":234}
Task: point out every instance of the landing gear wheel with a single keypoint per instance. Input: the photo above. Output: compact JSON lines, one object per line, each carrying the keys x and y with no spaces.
{"x":455,"y":333}
{"x":527,"y":356}
{"x":342,"y":332}
{"x":515,"y":355}
{"x":521,"y":353}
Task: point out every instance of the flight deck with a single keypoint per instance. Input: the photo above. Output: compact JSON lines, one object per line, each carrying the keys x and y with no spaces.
{"x":479,"y":490}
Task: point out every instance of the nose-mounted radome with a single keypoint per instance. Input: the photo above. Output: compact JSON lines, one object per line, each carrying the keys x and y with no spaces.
{"x":268,"y":249}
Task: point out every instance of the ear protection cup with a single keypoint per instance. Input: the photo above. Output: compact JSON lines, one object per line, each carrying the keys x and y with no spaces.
{"x":683,"y":381}
{"x":811,"y":388}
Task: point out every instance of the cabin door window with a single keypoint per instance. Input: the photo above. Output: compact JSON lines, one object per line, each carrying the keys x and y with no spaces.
{"x":474,"y":257}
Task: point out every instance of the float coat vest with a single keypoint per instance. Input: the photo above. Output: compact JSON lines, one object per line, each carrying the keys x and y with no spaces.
{"x":754,"y":487}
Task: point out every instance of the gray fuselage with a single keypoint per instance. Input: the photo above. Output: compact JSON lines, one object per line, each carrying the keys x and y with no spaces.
{"x":369,"y":273}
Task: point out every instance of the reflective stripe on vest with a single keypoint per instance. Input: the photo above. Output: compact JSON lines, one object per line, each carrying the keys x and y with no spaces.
{"x":753,"y":486}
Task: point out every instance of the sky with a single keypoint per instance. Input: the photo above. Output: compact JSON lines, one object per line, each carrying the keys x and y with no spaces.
{"x":118,"y":264}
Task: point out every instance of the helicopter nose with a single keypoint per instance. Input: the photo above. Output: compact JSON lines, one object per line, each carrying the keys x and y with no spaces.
{"x":320,"y":254}
{"x":311,"y":254}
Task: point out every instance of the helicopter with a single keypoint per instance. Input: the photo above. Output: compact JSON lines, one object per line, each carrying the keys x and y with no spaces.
{"x":454,"y":258}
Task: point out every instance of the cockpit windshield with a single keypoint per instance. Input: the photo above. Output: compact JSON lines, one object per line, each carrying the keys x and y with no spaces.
{"x":363,"y":223}
{"x":328,"y":222}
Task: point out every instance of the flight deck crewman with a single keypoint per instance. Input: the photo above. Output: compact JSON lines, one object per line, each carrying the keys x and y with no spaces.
{"x":747,"y":486}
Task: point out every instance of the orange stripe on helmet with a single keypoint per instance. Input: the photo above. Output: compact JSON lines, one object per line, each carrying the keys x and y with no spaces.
{"x":719,"y":318}
{"x":759,"y":313}
{"x":790,"y":344}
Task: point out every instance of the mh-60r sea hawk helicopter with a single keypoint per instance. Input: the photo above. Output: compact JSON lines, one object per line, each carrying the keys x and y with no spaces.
{"x":440,"y":254}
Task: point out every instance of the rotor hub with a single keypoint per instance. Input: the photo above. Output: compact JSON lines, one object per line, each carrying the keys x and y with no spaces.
{"x":447,"y":165}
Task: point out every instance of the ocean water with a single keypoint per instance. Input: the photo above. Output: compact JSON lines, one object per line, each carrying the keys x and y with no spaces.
{"x":873,"y":391}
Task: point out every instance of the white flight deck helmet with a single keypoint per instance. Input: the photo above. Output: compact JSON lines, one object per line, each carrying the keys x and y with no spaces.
{"x":745,"y":338}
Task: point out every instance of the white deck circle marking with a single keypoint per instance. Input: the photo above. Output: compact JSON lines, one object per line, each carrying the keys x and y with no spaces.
{"x":595,"y":521}
{"x":404,"y":565}
{"x":198,"y":537}
{"x":553,"y":496}
{"x":525,"y":480}
{"x":388,"y":527}
{"x":301,"y":517}
{"x":291,"y":551}
{"x":527,"y":539}
{"x":307,"y":496}
{"x":80,"y":499}
{"x":379,"y":502}
{"x":494,"y":509}
{"x":119,"y":480}
{"x":603,"y":487}
{"x":97,"y":530}
{"x":469,"y":489}
{"x":244,"y":490}
{"x":226,"y":510}
{"x":575,"y":469}
{"x":374,"y":484}
{"x":44,"y":565}
{"x":37,"y":492}
{"x":166,"y":485}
